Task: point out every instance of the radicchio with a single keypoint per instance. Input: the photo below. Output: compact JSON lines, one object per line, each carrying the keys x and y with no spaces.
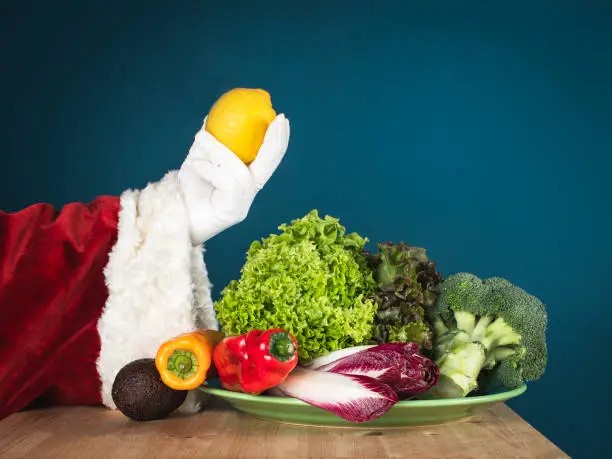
{"x":355,"y":398}
{"x":399,"y":365}
{"x":317,"y":363}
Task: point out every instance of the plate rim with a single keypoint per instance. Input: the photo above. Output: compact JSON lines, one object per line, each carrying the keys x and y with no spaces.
{"x":290,"y":401}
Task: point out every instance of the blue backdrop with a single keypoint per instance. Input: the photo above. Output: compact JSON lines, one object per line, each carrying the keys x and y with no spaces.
{"x":480,"y":131}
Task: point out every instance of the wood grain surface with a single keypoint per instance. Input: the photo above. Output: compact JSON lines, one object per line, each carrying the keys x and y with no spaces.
{"x":222,"y":433}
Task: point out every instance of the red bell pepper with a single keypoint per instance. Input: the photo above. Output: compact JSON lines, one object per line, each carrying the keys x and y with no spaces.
{"x":256,"y":361}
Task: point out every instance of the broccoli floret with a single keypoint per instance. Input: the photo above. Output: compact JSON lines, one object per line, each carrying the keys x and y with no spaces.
{"x":487,"y":326}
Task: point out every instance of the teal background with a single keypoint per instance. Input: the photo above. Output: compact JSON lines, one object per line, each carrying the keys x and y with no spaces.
{"x":480,"y":130}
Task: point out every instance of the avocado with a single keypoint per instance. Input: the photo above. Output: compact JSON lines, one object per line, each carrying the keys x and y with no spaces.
{"x":141,"y":395}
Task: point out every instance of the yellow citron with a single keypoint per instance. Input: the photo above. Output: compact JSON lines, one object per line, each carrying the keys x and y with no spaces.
{"x":239,"y":120}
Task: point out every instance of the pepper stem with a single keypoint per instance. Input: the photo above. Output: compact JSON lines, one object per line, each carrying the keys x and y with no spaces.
{"x":183,"y":363}
{"x":281,"y":346}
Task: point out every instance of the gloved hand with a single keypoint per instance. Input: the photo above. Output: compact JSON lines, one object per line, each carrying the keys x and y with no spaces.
{"x":218,"y":187}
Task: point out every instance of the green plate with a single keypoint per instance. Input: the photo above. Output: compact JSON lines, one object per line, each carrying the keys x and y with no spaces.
{"x":403,"y":414}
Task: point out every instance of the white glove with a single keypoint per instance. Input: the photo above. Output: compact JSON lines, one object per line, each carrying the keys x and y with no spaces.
{"x":218,"y":187}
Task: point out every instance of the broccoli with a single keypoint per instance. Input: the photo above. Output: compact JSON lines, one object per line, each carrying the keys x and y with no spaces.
{"x":486,"y":330}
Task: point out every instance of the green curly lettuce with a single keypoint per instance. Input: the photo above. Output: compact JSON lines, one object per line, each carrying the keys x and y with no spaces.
{"x":312,"y":280}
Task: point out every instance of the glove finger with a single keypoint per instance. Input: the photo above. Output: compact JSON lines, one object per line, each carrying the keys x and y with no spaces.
{"x":217,"y":176}
{"x":272,"y":151}
{"x":207,"y":147}
{"x":195,"y":188}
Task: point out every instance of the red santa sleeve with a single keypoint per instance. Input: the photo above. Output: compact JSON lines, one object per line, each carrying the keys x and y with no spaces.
{"x":86,"y":289}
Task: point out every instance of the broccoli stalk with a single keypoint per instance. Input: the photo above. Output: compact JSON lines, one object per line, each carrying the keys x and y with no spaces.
{"x":486,"y":330}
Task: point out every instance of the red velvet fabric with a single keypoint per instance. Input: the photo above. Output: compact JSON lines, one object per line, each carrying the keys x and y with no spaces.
{"x":52,"y":292}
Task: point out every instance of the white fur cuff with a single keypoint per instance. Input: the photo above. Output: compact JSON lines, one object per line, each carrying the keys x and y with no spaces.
{"x":157,"y":282}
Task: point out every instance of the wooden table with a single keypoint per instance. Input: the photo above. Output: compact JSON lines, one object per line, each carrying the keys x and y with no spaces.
{"x":220,"y":432}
